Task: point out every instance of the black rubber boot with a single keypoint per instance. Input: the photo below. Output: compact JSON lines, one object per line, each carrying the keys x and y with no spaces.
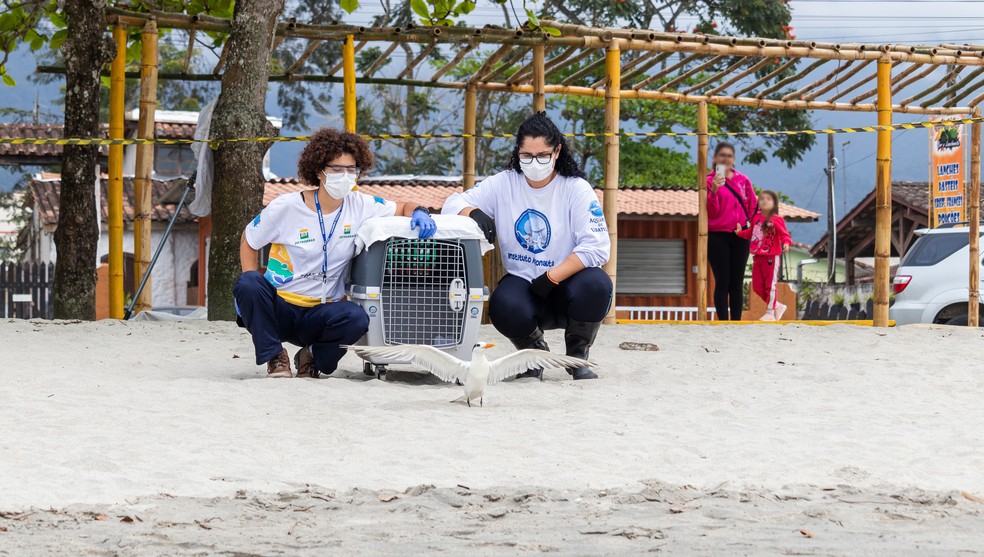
{"x":579,"y":337}
{"x":533,"y":340}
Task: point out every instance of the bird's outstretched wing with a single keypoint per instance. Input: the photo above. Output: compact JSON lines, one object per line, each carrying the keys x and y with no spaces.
{"x":441,"y":364}
{"x":520,"y":361}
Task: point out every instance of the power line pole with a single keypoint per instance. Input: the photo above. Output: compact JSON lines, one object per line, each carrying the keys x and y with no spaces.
{"x":831,"y":224}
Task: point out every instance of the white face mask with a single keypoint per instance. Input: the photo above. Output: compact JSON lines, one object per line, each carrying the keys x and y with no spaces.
{"x":337,"y":185}
{"x":536,"y":170}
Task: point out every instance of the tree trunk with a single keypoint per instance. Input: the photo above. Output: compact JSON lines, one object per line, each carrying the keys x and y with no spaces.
{"x":86,"y":50}
{"x":237,"y":193}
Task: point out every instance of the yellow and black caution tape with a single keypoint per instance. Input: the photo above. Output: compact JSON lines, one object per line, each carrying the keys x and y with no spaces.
{"x":215,"y":142}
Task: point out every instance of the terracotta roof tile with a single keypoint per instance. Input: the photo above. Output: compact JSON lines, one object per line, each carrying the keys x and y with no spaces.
{"x":651,"y":201}
{"x":46,"y":200}
{"x":39,"y":131}
{"x":167,"y":130}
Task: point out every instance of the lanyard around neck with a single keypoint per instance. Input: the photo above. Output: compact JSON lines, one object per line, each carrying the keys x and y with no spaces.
{"x":325,"y":238}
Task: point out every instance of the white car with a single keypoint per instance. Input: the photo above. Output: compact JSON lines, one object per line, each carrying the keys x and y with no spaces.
{"x":931,"y":281}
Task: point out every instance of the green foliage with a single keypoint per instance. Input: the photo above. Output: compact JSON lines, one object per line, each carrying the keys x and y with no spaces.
{"x":644,"y":164}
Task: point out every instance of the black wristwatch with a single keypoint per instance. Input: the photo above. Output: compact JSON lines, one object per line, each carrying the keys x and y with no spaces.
{"x":421,"y":208}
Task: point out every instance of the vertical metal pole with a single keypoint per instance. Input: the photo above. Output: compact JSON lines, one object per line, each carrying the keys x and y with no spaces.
{"x":142,"y":184}
{"x":831,"y":225}
{"x":973,"y":205}
{"x":117,"y":87}
{"x":468,"y":154}
{"x":702,"y":141}
{"x":883,"y":195}
{"x":539,"y":97}
{"x":613,"y":63}
{"x":348,"y":82}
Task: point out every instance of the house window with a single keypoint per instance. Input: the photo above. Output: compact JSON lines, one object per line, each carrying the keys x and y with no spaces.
{"x":652,"y":266}
{"x":174,"y":160}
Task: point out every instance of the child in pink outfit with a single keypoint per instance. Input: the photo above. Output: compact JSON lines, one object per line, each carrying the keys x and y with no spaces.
{"x":769,"y":240}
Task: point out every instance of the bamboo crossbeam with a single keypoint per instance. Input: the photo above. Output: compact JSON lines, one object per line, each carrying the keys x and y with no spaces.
{"x":721,"y":101}
{"x":527,"y":70}
{"x":895,"y":79}
{"x":837,"y":82}
{"x":901,"y":85}
{"x":585,"y":71}
{"x":952,"y":74}
{"x":791,"y":79}
{"x":964,"y":94}
{"x":550,"y":63}
{"x":338,"y":67}
{"x":740,"y":75}
{"x":632,"y":64}
{"x":383,"y":58}
{"x":222,"y":60}
{"x":311,"y":47}
{"x":645,"y":67}
{"x":573,"y":62}
{"x":766,"y":78}
{"x":691,"y":72}
{"x":190,"y":51}
{"x":424,"y":52}
{"x":823,"y":80}
{"x":636,"y":40}
{"x":489,"y":63}
{"x":718,"y":76}
{"x":454,"y":61}
{"x":952,"y":90}
{"x":505,"y":65}
{"x":682,"y":63}
{"x":852,"y":87}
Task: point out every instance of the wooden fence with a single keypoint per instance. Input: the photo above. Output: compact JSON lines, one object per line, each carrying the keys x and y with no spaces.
{"x":25,"y":290}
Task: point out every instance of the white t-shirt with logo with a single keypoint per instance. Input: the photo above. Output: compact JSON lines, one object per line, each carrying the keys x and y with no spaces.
{"x":538,"y":228}
{"x":296,"y":254}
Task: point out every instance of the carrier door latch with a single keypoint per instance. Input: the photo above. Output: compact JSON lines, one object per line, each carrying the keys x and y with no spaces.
{"x":457,"y":295}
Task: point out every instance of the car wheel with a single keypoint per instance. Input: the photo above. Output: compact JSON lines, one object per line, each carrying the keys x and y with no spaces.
{"x":958,"y":321}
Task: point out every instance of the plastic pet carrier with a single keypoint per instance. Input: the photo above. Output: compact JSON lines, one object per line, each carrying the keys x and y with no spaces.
{"x":420,"y":291}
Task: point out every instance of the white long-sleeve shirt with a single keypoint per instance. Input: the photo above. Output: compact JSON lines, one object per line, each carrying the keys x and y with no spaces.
{"x":538,"y":228}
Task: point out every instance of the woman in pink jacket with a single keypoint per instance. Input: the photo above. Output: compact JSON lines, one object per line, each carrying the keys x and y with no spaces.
{"x":731,"y":204}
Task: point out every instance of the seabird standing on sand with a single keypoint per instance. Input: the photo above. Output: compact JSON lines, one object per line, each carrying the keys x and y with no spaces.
{"x":473,"y":375}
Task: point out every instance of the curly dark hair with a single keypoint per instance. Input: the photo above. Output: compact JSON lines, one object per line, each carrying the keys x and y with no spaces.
{"x":540,"y":125}
{"x":326,"y":145}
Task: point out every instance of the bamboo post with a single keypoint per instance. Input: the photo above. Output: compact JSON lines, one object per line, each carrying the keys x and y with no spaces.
{"x":539,"y":98}
{"x":117,"y":87}
{"x":142,"y":184}
{"x":612,"y":93}
{"x":348,"y":83}
{"x":883,"y":195}
{"x":468,"y":154}
{"x":702,"y":141}
{"x":974,"y":216}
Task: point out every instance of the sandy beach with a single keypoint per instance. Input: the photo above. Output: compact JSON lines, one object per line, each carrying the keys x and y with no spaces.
{"x":164,"y":438}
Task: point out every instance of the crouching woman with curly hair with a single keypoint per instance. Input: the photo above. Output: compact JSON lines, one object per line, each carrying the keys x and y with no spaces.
{"x":312,"y":242}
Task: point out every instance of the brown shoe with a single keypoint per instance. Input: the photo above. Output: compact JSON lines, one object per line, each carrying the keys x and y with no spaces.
{"x":304,"y":362}
{"x":279,"y":366}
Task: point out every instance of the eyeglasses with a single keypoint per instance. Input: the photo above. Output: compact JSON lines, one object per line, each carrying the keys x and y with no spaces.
{"x":339,"y":169}
{"x":542,"y":158}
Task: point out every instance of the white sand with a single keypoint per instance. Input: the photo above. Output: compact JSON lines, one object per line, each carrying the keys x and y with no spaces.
{"x":104,"y":414}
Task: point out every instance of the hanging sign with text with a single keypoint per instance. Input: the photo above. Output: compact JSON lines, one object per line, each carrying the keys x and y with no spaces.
{"x":946,"y":175}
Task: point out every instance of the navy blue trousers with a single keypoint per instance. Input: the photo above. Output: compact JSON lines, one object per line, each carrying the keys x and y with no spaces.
{"x":516,"y":312}
{"x":272,"y":321}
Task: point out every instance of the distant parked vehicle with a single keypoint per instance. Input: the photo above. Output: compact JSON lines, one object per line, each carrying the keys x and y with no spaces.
{"x":931,"y":281}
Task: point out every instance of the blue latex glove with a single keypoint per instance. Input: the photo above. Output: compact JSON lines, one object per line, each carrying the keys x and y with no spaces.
{"x":423,"y":221}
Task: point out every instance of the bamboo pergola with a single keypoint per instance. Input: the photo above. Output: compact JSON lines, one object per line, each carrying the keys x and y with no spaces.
{"x":615,"y":64}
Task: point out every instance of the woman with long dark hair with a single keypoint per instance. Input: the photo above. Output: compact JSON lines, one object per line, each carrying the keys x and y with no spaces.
{"x":731,"y":204}
{"x":553,"y":240}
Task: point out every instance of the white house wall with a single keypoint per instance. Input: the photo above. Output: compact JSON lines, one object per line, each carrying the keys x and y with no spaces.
{"x":169,"y":279}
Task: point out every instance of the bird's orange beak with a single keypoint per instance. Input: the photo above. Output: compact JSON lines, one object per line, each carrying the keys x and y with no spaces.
{"x":488,"y":345}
